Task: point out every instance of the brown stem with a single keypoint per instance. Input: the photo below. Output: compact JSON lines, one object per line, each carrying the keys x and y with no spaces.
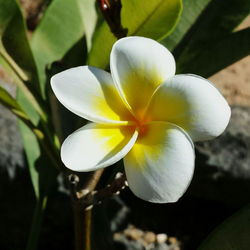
{"x":111,"y":11}
{"x":82,"y":215}
{"x":87,"y":225}
{"x":96,"y":197}
{"x":84,"y":200}
{"x":82,"y":227}
{"x":91,"y":182}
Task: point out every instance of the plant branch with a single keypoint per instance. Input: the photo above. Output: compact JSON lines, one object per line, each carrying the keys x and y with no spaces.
{"x":111,"y":11}
{"x":86,"y":198}
{"x":82,"y":217}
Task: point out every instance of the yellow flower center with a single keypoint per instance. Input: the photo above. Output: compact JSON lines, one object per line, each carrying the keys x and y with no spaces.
{"x":141,"y":124}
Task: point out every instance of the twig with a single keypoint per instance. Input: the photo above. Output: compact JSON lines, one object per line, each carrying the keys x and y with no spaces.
{"x":84,"y":200}
{"x":82,"y":217}
{"x":82,"y":227}
{"x":73,"y":184}
{"x":111,"y":11}
{"x":92,"y":198}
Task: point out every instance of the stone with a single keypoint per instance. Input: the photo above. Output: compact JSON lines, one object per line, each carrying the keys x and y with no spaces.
{"x":133,"y":233}
{"x":161,"y":238}
{"x":118,"y":213}
{"x":161,"y":246}
{"x":149,"y":237}
{"x":230,"y":152}
{"x":222,"y":167}
{"x":121,"y":242}
{"x":172,"y":240}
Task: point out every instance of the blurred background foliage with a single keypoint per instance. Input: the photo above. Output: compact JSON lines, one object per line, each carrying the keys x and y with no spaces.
{"x":49,"y":36}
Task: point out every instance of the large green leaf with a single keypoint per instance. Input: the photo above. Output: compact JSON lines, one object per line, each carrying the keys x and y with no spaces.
{"x":30,"y":106}
{"x":16,"y":57}
{"x":60,"y":28}
{"x":43,"y":177}
{"x":17,"y":60}
{"x":233,"y":234}
{"x":89,"y":18}
{"x":153,"y":19}
{"x":102,"y":43}
{"x":192,"y":9}
{"x":209,"y":58}
{"x":14,"y":42}
{"x":220,"y":18}
{"x":32,"y":150}
{"x":205,"y":49}
{"x":13,"y":29}
{"x":40,"y":164}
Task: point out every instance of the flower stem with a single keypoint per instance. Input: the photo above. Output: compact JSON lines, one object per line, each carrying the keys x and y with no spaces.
{"x":82,"y":226}
{"x":83,"y":201}
{"x":82,"y":213}
{"x":111,"y":11}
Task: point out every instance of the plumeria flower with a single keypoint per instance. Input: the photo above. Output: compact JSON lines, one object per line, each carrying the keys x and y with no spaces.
{"x":141,"y":112}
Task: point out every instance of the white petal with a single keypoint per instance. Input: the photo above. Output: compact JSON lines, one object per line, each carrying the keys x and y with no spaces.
{"x":192,"y":103}
{"x":96,"y":146}
{"x":90,"y":93}
{"x":138,"y":66}
{"x":160,"y":166}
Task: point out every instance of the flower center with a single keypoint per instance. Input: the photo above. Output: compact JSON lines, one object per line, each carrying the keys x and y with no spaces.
{"x":142,"y":126}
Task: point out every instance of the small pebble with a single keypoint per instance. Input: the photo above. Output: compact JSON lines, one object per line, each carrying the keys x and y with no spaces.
{"x":118,"y":175}
{"x":161,"y":238}
{"x":172,"y":240}
{"x":118,"y":236}
{"x":133,"y":233}
{"x":149,"y":237}
{"x":162,"y":246}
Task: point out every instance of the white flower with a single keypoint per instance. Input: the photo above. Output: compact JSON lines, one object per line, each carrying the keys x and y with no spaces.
{"x":143,"y":112}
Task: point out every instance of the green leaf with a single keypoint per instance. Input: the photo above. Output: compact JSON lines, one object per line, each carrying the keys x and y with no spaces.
{"x":102,"y":43}
{"x":60,"y":28}
{"x":14,"y":42}
{"x":43,"y":177}
{"x":35,"y":228}
{"x":41,"y":167}
{"x":192,"y":9}
{"x":16,"y":57}
{"x":153,"y":19}
{"x":209,"y":58}
{"x":33,"y":152}
{"x":8,"y":101}
{"x":29,"y":105}
{"x":214,"y":30}
{"x":89,"y":19}
{"x":232,"y":234}
{"x":220,"y":18}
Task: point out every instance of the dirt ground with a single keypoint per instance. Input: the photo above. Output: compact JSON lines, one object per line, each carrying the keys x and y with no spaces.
{"x":234,"y":81}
